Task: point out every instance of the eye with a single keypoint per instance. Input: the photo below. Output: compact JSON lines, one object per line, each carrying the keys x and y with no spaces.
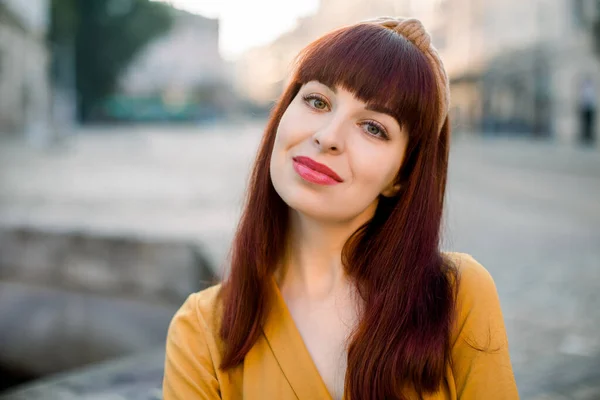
{"x":375,"y":129}
{"x":316,"y":101}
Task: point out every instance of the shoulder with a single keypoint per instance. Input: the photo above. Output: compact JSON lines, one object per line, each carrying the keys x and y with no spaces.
{"x":201,"y":309}
{"x":480,"y":361}
{"x":193,"y":349}
{"x":207,"y":301}
{"x":473,"y":278}
{"x":478,"y":313}
{"x":195,"y":326}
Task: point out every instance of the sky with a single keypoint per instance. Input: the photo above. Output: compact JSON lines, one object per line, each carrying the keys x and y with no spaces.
{"x":248,"y":23}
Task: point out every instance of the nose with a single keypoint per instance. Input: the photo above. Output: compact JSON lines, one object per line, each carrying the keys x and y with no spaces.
{"x":330,"y":138}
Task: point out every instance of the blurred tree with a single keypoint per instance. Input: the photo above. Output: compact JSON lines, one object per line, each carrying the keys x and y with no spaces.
{"x":63,"y":20}
{"x":106,"y":35}
{"x":596,"y":28}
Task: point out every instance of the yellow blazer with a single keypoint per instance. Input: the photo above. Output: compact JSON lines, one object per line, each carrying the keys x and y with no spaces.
{"x":280,"y":367}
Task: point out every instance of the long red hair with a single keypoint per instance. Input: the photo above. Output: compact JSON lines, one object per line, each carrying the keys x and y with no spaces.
{"x":403,"y":336}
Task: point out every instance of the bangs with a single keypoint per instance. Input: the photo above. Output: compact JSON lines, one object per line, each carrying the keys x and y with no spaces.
{"x":379,"y":67}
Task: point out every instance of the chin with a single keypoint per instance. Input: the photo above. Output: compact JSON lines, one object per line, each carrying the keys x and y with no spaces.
{"x":317,"y":208}
{"x":305,"y":202}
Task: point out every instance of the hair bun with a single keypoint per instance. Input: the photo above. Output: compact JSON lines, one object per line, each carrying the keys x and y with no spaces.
{"x":410,"y":28}
{"x":413,"y":30}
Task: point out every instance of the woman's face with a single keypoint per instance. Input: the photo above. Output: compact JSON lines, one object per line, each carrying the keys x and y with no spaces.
{"x":334,"y":154}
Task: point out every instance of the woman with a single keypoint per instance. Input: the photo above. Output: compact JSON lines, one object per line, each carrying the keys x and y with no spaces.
{"x":337,"y":287}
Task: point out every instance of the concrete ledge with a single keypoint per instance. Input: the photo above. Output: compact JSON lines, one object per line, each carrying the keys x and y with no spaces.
{"x":47,"y":331}
{"x":69,"y":299}
{"x":112,"y":265}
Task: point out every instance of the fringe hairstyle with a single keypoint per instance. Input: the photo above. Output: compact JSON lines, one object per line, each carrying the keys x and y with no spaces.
{"x":402,"y":338}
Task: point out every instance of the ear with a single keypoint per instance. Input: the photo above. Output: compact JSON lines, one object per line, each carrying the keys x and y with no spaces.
{"x":391,"y":190}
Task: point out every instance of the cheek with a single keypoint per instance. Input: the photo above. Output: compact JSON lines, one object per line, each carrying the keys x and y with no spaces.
{"x":286,"y":137}
{"x":287,"y":131}
{"x":376,"y":166}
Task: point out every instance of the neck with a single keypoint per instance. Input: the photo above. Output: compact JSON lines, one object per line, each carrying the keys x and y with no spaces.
{"x":313,"y":264}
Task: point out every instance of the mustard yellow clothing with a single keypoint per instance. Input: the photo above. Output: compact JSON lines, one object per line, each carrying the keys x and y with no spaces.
{"x":280,"y":367}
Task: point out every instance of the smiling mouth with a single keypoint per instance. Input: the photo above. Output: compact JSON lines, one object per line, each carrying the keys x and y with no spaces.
{"x":315,"y":172}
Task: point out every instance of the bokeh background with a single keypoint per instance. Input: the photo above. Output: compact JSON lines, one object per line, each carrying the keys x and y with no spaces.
{"x":127,"y":129}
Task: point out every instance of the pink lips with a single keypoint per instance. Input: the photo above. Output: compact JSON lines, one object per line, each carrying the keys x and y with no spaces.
{"x":315,"y":172}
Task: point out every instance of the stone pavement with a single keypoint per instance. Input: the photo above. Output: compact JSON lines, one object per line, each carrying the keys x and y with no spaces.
{"x":528,"y":211}
{"x":130,"y":378}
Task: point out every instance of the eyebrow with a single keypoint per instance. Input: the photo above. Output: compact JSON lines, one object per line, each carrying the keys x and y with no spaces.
{"x":332,"y":88}
{"x":380,"y":109}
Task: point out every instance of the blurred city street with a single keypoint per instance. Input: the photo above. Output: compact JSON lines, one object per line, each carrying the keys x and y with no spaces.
{"x":128,"y":127}
{"x":529,"y":211}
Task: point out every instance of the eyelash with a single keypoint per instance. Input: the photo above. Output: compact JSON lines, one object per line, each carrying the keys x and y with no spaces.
{"x":308,"y":97}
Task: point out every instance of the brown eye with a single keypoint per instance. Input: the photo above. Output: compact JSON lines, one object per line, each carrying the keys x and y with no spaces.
{"x":316,"y":102}
{"x":320,"y":104}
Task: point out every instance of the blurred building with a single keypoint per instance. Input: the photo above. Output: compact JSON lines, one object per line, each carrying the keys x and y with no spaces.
{"x":517,"y":66}
{"x":183,"y":68}
{"x":24,"y":63}
{"x":261,"y":71}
